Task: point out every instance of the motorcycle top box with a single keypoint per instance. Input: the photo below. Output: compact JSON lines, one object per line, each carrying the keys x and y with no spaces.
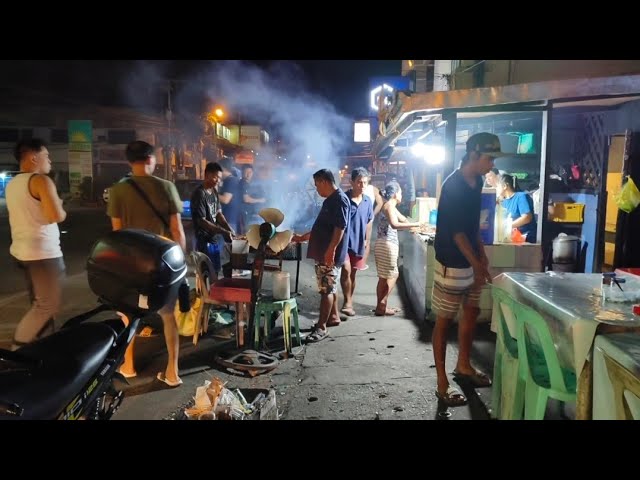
{"x":135,"y":271}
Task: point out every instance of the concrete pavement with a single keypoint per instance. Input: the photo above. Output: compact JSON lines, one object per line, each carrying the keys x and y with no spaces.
{"x":369,"y":368}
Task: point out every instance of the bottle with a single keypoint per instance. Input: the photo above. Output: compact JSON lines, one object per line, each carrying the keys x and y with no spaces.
{"x":183,"y":296}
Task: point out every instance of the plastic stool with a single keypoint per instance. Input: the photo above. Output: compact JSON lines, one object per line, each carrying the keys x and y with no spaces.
{"x":267,"y":306}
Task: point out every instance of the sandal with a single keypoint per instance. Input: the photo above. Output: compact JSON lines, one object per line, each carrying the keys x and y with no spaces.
{"x":388,"y":312}
{"x":452,"y":398}
{"x":477,"y":379}
{"x":147,"y":332}
{"x":317,"y":335}
{"x":334,"y":324}
{"x":161,"y":376}
{"x":348,"y":311}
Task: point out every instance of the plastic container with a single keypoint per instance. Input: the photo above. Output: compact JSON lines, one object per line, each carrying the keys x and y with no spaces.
{"x":612,"y":290}
{"x":433,"y":217}
{"x":568,"y":212}
{"x":281,"y":286}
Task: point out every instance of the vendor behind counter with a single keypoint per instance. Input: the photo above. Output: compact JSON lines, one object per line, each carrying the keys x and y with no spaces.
{"x":519,"y":206}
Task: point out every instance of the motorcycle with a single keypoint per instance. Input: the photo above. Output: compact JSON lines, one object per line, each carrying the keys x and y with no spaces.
{"x":70,"y":374}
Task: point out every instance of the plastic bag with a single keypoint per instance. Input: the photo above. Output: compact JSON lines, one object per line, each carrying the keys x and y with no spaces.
{"x":187,"y":321}
{"x":629,"y":197}
{"x":517,"y":236}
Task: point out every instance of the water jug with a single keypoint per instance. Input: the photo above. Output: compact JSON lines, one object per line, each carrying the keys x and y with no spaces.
{"x":281,"y":286}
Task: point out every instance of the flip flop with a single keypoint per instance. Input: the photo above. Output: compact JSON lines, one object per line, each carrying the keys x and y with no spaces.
{"x":349,"y":312}
{"x":388,"y":312}
{"x":147,"y":332}
{"x":128,"y":375}
{"x":163,"y":379}
{"x":452,"y":398}
{"x":477,"y":379}
{"x":333,"y":324}
{"x":317,"y":335}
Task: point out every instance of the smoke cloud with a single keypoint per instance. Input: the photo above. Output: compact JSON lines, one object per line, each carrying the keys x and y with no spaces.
{"x":277,"y":99}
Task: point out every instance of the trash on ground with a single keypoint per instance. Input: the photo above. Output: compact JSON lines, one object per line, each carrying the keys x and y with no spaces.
{"x":214,"y":401}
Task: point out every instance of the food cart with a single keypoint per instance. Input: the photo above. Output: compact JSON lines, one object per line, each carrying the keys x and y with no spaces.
{"x":547,"y":128}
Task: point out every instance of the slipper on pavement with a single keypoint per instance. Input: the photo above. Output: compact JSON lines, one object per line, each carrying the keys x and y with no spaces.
{"x":477,"y":379}
{"x":147,"y":332}
{"x":317,"y":335}
{"x":452,"y":397}
{"x":163,"y":379}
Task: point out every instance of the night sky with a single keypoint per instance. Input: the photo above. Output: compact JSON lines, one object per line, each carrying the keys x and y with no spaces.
{"x":344,"y":83}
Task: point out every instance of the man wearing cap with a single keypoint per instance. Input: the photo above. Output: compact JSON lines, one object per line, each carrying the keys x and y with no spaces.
{"x":461,"y":263}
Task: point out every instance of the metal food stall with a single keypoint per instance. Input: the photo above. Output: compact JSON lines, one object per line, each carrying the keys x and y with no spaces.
{"x":547,"y":128}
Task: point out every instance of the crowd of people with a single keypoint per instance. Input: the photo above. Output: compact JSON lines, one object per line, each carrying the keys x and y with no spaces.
{"x":339,"y":241}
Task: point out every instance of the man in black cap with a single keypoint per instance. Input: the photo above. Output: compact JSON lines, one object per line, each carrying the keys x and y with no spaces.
{"x":461,"y":263}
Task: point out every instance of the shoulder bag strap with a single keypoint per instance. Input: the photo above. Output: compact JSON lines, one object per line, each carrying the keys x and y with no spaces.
{"x":146,"y":199}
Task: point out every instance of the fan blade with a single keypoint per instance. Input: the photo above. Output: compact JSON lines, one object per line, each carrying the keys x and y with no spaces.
{"x":280,"y":241}
{"x":253,"y":236}
{"x":272,"y":215}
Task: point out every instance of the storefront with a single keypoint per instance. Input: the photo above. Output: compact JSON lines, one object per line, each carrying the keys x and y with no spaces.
{"x":558,"y":136}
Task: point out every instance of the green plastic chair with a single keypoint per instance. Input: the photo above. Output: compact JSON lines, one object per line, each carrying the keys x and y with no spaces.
{"x":267,"y":306}
{"x":539,"y":365}
{"x":508,"y":389}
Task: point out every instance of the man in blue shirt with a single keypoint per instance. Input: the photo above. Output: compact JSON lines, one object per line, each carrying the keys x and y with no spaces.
{"x":230,"y":196}
{"x":328,"y":247}
{"x":359,"y":236}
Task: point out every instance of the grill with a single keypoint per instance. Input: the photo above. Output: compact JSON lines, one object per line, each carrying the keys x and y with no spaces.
{"x":292,"y":252}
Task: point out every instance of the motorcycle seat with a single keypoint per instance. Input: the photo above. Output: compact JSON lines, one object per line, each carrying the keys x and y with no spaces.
{"x":68,"y":359}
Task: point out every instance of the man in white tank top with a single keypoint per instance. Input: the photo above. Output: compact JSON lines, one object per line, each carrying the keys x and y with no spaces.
{"x":35,"y":209}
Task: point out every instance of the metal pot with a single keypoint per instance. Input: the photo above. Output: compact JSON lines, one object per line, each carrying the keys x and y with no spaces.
{"x":566,"y":249}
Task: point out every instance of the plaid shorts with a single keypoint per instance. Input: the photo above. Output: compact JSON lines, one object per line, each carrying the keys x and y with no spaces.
{"x":453,"y":287}
{"x":327,"y":278}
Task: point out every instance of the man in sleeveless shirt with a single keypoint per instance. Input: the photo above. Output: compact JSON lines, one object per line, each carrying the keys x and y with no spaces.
{"x":35,"y":209}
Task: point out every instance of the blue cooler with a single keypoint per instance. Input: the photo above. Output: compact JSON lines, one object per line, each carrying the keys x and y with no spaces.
{"x":213,"y":252}
{"x":487,"y":215}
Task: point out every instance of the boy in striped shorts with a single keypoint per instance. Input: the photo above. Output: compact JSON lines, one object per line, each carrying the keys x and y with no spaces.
{"x":461,"y":263}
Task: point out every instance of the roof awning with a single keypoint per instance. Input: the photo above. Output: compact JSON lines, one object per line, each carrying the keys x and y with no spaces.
{"x":418,"y":112}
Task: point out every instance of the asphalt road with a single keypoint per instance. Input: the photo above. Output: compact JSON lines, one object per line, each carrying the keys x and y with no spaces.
{"x":78,"y":232}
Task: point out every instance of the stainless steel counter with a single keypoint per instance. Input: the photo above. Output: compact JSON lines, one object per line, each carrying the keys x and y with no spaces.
{"x":418,"y":261}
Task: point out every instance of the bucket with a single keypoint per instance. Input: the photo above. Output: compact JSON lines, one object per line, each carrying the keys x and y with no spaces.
{"x":281,"y":286}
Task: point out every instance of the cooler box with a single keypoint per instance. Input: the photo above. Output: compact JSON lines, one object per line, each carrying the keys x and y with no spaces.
{"x":487,"y":216}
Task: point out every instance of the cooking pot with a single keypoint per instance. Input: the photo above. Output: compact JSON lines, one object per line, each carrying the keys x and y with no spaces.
{"x":566,"y":248}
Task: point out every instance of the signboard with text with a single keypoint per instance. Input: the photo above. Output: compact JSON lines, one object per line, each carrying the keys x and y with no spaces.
{"x":80,"y":154}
